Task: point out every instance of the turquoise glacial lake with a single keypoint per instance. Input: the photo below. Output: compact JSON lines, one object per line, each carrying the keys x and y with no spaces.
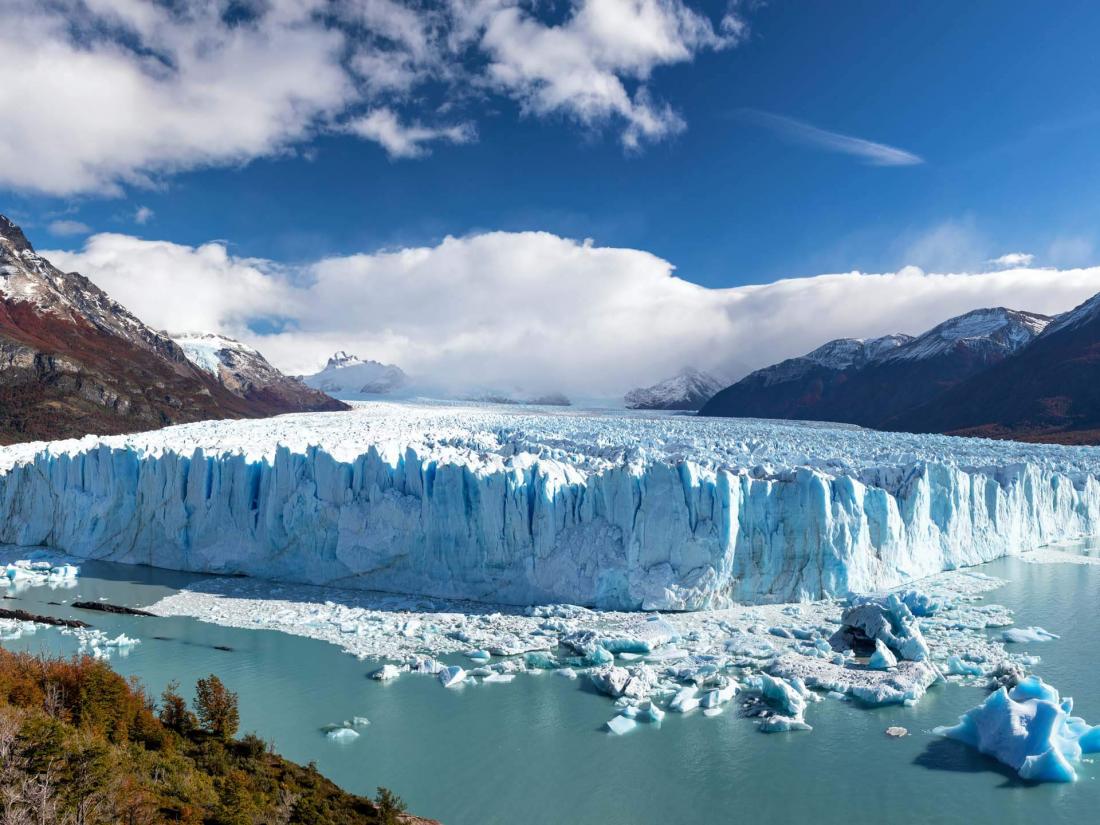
{"x":534,"y":751}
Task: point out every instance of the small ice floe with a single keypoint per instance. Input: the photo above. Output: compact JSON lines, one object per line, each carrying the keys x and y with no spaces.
{"x":619,"y":725}
{"x":498,"y":678}
{"x":686,"y":699}
{"x":896,"y":731}
{"x":121,"y":641}
{"x":1023,"y":635}
{"x":1029,"y":729}
{"x":786,"y":698}
{"x":479,"y":656}
{"x":386,"y":673}
{"x":957,"y":666}
{"x":342,"y":734}
{"x":29,"y":572}
{"x":452,"y":676}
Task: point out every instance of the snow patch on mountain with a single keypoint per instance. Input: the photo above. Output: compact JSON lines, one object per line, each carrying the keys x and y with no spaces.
{"x":689,"y":389}
{"x":622,"y":511}
{"x":1082,"y":314}
{"x":995,"y":329}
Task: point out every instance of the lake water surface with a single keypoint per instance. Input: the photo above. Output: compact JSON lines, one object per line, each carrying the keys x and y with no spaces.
{"x":534,"y":751}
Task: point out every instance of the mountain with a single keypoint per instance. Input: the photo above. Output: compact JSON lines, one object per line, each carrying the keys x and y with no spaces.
{"x":74,"y":362}
{"x":689,"y":389}
{"x":346,"y":376}
{"x":1048,"y":391}
{"x":247,"y":374}
{"x":876,"y":382}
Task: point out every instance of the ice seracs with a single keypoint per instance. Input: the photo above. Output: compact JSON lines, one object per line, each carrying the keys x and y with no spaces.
{"x":1030,"y":729}
{"x":619,"y":511}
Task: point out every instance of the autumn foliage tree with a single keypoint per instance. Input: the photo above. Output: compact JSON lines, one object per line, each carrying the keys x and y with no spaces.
{"x":216,"y":707}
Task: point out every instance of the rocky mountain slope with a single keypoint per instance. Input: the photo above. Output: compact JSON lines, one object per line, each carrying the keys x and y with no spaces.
{"x":247,"y":374}
{"x":689,"y":389}
{"x":1048,"y":391}
{"x":73,"y":361}
{"x":879,"y":382}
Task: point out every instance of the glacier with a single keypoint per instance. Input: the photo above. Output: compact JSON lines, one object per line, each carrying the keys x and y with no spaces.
{"x":610,"y":510}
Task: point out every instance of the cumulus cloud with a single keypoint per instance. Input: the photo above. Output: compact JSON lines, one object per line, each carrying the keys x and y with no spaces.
{"x":536,"y":310}
{"x":407,"y":140}
{"x":142,"y":215}
{"x":581,"y":66}
{"x":797,"y":131}
{"x":100,"y":94}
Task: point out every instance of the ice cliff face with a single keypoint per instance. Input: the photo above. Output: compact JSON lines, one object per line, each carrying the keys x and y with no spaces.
{"x":616,"y":511}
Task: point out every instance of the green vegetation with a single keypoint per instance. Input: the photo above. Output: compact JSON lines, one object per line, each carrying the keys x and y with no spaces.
{"x":80,"y":745}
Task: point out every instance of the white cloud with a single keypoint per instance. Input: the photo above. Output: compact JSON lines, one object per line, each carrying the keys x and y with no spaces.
{"x":536,"y":310}
{"x":100,"y":94}
{"x":871,"y":153}
{"x":1012,"y":260}
{"x":143,"y":214}
{"x":582,"y":66}
{"x":68,"y":227}
{"x":407,"y":140}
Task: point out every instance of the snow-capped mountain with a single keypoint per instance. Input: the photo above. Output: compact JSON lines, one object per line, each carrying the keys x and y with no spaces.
{"x":346,"y":376}
{"x":73,"y":361}
{"x":1049,"y":390}
{"x":996,"y":331}
{"x":689,"y":389}
{"x":246,"y":373}
{"x":874,"y":382}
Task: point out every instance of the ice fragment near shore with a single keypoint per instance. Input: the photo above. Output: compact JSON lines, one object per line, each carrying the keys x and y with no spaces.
{"x":1023,"y":635}
{"x":452,"y":676}
{"x":1030,"y":730}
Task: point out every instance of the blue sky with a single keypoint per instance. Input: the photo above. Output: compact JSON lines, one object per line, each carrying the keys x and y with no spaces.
{"x":999,"y":99}
{"x":734,"y":143}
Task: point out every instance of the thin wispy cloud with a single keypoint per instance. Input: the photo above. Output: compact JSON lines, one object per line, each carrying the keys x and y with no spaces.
{"x":797,"y":131}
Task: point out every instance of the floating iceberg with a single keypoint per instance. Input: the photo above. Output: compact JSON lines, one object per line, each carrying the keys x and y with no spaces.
{"x":342,"y":734}
{"x":614,"y":511}
{"x":1029,"y":729}
{"x":452,"y":676}
{"x":1023,"y":635}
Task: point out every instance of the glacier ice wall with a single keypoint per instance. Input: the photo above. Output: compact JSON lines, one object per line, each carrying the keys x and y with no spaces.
{"x":523,"y":515}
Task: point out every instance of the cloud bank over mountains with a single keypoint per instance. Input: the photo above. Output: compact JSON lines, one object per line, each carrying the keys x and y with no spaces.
{"x":126,"y":91}
{"x":536,"y":310}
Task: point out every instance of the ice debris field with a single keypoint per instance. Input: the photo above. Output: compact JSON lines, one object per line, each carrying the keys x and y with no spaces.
{"x":615,"y":511}
{"x":769,"y":662}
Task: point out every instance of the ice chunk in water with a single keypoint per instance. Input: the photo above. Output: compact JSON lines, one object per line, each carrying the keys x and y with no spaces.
{"x":1023,"y":635}
{"x":686,"y":699}
{"x":452,"y":676}
{"x":620,"y":725}
{"x":342,"y":735}
{"x":1029,"y":729}
{"x":386,"y":673}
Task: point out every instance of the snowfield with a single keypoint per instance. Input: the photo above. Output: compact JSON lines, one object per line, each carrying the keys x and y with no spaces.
{"x":616,"y":511}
